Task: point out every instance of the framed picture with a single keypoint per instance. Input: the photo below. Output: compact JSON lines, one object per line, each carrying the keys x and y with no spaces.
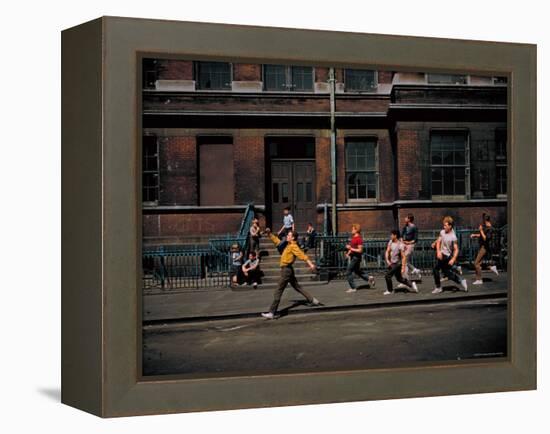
{"x":257,"y":216}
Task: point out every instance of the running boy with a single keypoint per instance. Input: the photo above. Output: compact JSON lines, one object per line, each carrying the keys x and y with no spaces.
{"x":409,"y":236}
{"x":397,"y":264}
{"x":446,"y":248}
{"x":288,"y":256}
{"x":354,"y":253}
{"x":485,"y":235}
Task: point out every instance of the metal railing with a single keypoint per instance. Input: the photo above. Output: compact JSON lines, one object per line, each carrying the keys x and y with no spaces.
{"x":195,"y":266}
{"x":332,"y":262}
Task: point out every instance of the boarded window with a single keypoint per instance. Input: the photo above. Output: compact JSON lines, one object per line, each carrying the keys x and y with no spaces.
{"x":216,"y":171}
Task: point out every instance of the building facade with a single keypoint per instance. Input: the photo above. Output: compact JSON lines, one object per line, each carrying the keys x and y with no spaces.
{"x":371,"y":144}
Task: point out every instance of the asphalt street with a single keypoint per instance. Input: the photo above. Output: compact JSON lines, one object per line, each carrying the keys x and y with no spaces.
{"x":377,"y":337}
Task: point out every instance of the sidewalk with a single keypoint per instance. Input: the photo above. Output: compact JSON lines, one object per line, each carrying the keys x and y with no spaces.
{"x":224,"y":303}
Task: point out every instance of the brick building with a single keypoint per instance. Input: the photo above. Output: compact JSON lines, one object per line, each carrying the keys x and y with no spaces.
{"x":217,"y":136}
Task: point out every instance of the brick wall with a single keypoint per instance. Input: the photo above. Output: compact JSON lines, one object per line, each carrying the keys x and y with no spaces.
{"x":470,"y":217}
{"x":178,"y":171}
{"x":247,"y":72}
{"x":370,"y":220}
{"x":175,"y":70}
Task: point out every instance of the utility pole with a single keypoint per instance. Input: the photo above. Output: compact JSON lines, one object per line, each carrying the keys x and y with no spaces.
{"x":332,"y":83}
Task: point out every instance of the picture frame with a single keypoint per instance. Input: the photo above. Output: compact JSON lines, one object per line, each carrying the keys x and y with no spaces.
{"x":101,"y":215}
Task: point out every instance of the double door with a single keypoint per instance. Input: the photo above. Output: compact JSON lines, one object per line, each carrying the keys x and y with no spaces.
{"x":293,"y":186}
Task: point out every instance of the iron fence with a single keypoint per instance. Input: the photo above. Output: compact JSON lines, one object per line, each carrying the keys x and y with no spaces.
{"x":330,"y":251}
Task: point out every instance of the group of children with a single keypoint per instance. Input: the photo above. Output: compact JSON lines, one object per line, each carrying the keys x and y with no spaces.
{"x":249,"y":272}
{"x":401,"y":246}
{"x":397,"y":256}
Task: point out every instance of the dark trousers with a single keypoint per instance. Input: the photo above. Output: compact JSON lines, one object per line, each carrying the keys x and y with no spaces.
{"x":254,"y":244}
{"x":354,"y":267}
{"x":254,"y":276}
{"x":442,"y":265}
{"x":395,"y":270}
{"x":287,"y":276}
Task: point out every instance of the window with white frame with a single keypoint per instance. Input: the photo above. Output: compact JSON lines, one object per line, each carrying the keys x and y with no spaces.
{"x":361,"y":169}
{"x":448,"y":155}
{"x":150,"y":170}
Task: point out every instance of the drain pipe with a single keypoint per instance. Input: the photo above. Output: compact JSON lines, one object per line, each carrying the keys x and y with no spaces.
{"x":332,"y":83}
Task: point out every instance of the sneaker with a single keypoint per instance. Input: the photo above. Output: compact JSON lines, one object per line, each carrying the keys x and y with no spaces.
{"x":386,"y":292}
{"x":437,"y":290}
{"x":350,"y":290}
{"x":414,"y":287}
{"x":372,"y":282}
{"x":402,"y":285}
{"x":493,"y":268}
{"x":477,"y":282}
{"x":315,"y":302}
{"x":459,"y":269}
{"x":464,"y":284}
{"x":444,"y":279}
{"x":255,"y":285}
{"x":268,"y":315}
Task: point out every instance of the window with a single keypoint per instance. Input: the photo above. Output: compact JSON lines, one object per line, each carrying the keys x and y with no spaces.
{"x":357,"y":80}
{"x":149,"y":73}
{"x":448,"y":163}
{"x":213,"y":75}
{"x":447,"y":79}
{"x":216,"y":183}
{"x":501,"y":160}
{"x":361,"y":169}
{"x":288,"y":78}
{"x":150,"y":175}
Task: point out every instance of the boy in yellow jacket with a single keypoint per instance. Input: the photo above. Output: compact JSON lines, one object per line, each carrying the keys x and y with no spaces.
{"x":288,"y":256}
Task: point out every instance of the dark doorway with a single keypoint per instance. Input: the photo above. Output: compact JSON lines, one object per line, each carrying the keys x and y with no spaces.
{"x":292,"y":180}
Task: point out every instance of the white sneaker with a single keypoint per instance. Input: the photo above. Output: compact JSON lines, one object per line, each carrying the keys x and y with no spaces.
{"x":401,"y":285}
{"x":372,"y":282}
{"x":315,"y":302}
{"x":255,"y":285}
{"x":493,"y":268}
{"x":386,"y":292}
{"x":477,"y":282}
{"x":268,"y":315}
{"x":414,"y":287}
{"x":350,"y":290}
{"x":444,"y":279}
{"x":437,"y":290}
{"x":464,"y":284}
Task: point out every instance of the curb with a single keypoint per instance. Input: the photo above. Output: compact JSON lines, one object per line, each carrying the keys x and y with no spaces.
{"x":364,"y":306}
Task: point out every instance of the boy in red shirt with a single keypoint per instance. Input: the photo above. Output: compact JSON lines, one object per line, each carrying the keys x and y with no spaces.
{"x":354,"y":253}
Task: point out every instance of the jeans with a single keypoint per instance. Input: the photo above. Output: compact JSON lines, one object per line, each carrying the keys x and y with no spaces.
{"x":354,"y":267}
{"x":443,"y":265}
{"x":395,"y":270}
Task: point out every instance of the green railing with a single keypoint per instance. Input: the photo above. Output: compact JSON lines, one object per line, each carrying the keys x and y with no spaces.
{"x":196,"y":266}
